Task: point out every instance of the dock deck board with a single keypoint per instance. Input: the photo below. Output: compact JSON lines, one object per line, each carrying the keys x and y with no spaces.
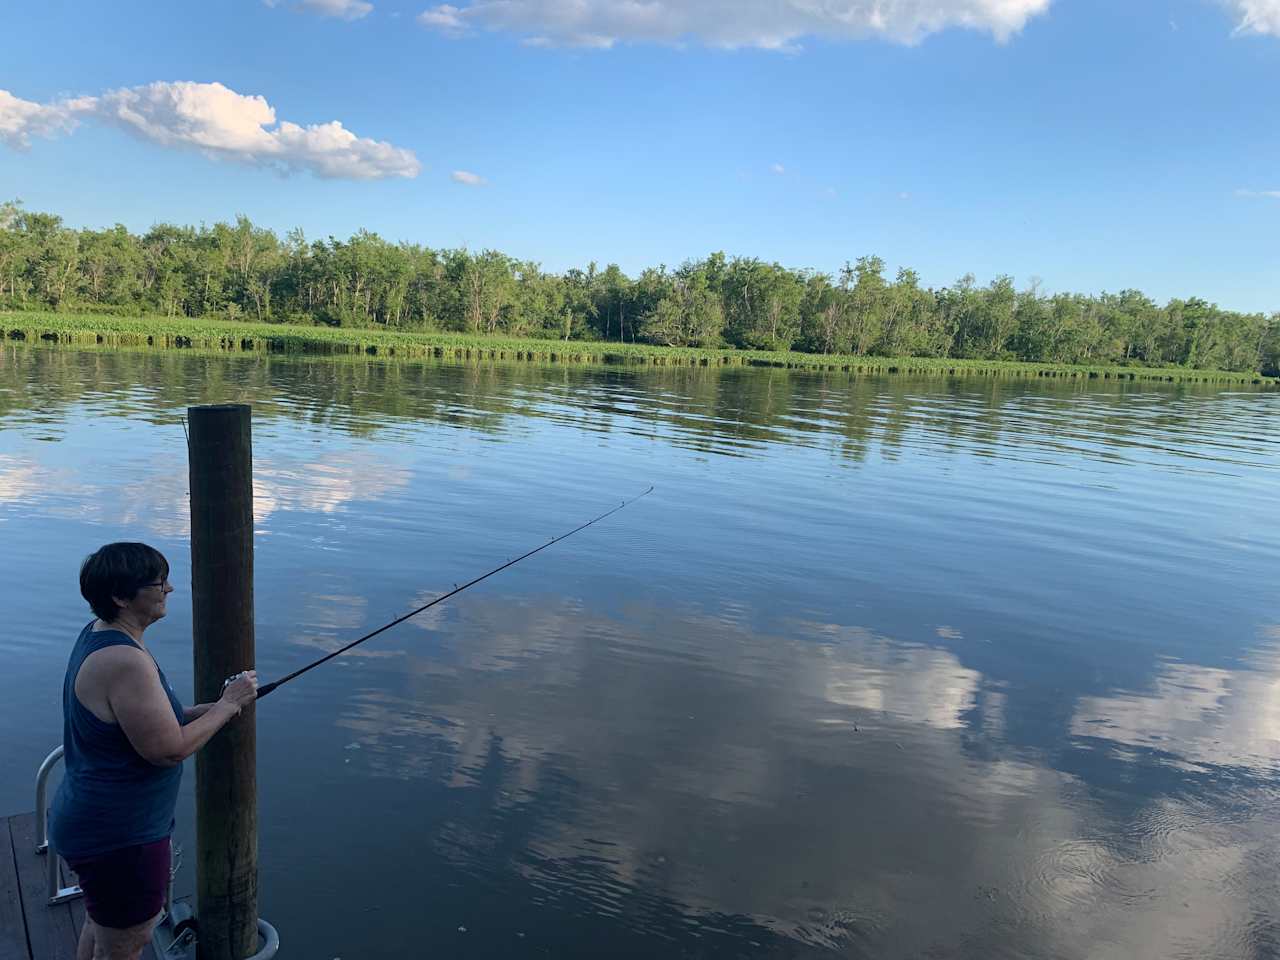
{"x":31,"y":929}
{"x":51,"y":933}
{"x":13,"y":927}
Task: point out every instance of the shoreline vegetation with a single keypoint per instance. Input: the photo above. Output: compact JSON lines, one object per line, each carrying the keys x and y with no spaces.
{"x":178,"y":284}
{"x":205,"y":336}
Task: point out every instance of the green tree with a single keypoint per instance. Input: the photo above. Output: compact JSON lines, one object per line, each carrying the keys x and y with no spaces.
{"x":13,"y":251}
{"x":824,"y":324}
{"x":761,"y":303}
{"x":868,"y":303}
{"x":52,"y":256}
{"x":239,"y":270}
{"x":612,"y":294}
{"x":688,"y":315}
{"x":1269,"y":362}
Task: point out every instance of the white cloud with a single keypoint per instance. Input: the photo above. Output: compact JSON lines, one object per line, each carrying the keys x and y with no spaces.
{"x":1268,"y":194}
{"x":467,"y":178}
{"x":343,"y":9}
{"x":766,"y":24}
{"x":779,"y":169}
{"x":1257,"y":16}
{"x":219,"y":122}
{"x":446,"y":18}
{"x":20,"y":120}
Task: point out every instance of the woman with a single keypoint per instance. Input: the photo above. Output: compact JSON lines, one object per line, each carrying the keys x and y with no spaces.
{"x":125,"y":735}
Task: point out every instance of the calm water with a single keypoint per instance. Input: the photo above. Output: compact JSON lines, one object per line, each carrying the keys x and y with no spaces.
{"x":883,"y":668}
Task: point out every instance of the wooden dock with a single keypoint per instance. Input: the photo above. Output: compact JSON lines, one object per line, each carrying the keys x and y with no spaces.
{"x":31,"y":929}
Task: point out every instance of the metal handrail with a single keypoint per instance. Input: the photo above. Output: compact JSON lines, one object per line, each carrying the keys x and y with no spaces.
{"x":57,"y":892}
{"x":42,"y":785}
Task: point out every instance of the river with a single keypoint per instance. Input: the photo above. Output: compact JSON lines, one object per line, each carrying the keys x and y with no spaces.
{"x":883,"y":668}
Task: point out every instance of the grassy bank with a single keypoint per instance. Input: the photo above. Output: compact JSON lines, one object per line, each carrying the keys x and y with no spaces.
{"x":180,"y":333}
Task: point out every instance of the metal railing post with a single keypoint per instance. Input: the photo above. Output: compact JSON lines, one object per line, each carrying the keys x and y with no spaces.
{"x":57,"y":892}
{"x":42,"y":791}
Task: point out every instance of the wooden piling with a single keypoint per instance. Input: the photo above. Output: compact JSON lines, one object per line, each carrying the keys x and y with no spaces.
{"x":221,"y":475}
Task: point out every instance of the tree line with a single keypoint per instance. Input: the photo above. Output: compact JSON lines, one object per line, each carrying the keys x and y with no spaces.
{"x":243,"y":271}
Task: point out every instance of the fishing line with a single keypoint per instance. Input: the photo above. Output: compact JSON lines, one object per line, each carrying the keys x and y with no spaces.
{"x":267,"y":688}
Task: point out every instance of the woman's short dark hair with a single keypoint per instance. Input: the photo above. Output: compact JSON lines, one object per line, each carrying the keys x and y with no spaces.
{"x":119,"y":570}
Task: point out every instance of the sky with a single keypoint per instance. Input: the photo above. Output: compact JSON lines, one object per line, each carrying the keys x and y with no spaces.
{"x":1088,"y":145}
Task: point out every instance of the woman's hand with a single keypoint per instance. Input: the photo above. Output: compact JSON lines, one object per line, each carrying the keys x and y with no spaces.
{"x":241,"y":691}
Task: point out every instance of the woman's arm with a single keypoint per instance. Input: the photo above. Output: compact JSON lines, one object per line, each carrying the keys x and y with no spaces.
{"x":194,"y":713}
{"x":142,"y":709}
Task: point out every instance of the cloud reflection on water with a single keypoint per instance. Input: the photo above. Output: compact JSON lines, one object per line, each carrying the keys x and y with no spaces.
{"x":830,"y":785}
{"x":156,"y":497}
{"x":1206,"y":716}
{"x":19,"y":479}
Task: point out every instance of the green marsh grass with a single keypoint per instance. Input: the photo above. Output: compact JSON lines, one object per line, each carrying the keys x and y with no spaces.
{"x":221,"y":336}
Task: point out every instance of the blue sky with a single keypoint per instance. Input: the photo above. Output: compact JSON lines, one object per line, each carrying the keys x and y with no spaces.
{"x":1095,"y":145}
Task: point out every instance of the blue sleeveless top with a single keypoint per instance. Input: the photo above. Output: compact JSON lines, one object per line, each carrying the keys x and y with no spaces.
{"x":110,"y":796}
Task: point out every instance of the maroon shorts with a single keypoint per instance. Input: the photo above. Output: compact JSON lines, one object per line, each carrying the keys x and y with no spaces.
{"x":125,"y":887}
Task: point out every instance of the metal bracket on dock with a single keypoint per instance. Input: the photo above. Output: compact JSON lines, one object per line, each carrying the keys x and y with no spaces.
{"x":174,"y":937}
{"x":270,"y":941}
{"x":177,"y":935}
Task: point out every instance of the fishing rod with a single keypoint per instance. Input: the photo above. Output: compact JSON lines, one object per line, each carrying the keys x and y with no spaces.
{"x":267,"y":688}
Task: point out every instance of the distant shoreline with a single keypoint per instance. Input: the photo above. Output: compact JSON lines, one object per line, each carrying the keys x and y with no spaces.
{"x":33,"y":328}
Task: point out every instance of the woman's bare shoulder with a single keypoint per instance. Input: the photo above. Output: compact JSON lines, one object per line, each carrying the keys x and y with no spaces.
{"x":119,"y":661}
{"x":108,"y":672}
